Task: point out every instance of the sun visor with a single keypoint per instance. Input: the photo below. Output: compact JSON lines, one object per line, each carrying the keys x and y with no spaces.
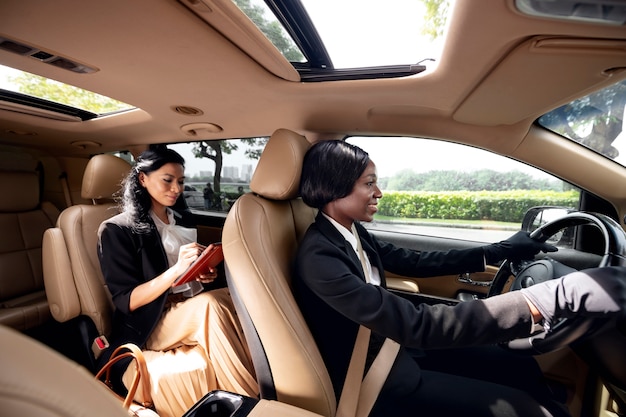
{"x":522,"y":86}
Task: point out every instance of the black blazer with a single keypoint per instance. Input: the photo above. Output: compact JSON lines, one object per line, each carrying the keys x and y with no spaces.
{"x":128,"y":259}
{"x":331,"y":291}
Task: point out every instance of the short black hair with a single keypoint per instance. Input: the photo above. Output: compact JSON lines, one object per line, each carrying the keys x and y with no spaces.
{"x":330,"y":170}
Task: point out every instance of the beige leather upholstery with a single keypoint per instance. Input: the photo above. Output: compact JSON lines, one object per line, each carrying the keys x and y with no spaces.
{"x":260,"y":238}
{"x":23,"y":221}
{"x":72,"y":275}
{"x":39,"y":382}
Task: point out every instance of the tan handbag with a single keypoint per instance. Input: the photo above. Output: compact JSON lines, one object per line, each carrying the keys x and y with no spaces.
{"x":140,"y":380}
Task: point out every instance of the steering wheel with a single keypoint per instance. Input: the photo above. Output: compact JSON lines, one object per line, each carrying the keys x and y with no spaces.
{"x":528,"y":273}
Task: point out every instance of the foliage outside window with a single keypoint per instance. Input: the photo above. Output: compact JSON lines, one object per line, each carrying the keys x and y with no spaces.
{"x":434,"y":188}
{"x":58,"y":92}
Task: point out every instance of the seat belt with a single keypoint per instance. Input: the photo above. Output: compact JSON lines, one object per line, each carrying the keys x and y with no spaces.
{"x":66,"y":189}
{"x":359,"y":394}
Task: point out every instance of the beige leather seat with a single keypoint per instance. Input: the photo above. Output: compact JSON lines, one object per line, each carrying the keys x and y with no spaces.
{"x":23,"y":221}
{"x":260,"y":238}
{"x":73,"y":279}
{"x":38,"y":381}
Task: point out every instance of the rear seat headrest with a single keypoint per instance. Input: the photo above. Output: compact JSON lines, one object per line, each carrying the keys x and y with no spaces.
{"x":277,"y":175}
{"x":20,"y":190}
{"x":103,"y":176}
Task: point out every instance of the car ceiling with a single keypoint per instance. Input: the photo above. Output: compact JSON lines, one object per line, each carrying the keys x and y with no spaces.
{"x":499,"y":71}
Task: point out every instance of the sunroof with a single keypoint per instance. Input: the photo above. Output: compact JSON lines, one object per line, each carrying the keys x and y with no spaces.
{"x":361,"y":33}
{"x":26,"y":89}
{"x":329,"y":39}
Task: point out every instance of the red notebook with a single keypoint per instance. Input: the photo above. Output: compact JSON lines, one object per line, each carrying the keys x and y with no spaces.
{"x":210,"y":258}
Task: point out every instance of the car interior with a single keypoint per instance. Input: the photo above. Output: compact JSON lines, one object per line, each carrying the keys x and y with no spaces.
{"x":540,"y":84}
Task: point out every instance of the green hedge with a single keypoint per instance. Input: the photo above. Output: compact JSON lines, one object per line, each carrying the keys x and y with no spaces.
{"x":505,"y":206}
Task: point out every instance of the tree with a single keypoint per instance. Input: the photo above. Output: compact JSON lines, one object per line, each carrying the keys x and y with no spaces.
{"x":214,"y":150}
{"x":435,"y":17}
{"x":480,"y":180}
{"x":594,"y":121}
{"x":272,"y":29}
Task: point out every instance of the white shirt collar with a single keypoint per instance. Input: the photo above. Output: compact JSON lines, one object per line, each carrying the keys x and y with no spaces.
{"x":352,"y":240}
{"x":346,"y":233}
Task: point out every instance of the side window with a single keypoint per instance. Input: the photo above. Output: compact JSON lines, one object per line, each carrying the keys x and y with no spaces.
{"x":218,"y":172}
{"x":444,"y":189}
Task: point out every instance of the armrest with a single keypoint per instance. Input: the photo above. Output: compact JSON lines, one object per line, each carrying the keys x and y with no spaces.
{"x":58,"y":277}
{"x":420,"y":298}
{"x":402,"y":284}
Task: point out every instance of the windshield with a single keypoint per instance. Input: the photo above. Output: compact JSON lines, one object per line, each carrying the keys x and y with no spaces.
{"x":595,"y":121}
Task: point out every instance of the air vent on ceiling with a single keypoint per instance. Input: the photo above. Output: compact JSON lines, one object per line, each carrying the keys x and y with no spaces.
{"x":44,"y":56}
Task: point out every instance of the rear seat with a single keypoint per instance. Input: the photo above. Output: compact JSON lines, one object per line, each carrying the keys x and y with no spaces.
{"x":23,"y":220}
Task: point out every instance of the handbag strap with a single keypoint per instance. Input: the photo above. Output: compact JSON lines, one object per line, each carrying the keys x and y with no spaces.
{"x":141,"y":373}
{"x":359,"y":394}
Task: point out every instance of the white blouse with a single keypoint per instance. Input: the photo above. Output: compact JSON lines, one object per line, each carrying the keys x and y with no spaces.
{"x":173,"y":236}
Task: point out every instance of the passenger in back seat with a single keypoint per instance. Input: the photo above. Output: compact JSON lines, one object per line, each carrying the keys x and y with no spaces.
{"x":142,"y":251}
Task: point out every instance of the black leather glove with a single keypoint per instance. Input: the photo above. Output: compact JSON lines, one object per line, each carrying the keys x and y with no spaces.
{"x":596,"y":292}
{"x":518,"y":246}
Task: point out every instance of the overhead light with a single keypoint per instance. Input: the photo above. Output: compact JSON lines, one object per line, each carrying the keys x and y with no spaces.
{"x":611,"y":12}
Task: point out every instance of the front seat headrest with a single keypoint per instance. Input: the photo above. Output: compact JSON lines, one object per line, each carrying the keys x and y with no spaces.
{"x":277,"y":175}
{"x":103,"y":177}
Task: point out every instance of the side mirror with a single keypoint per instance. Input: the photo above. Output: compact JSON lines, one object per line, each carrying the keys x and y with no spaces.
{"x":536,"y":217}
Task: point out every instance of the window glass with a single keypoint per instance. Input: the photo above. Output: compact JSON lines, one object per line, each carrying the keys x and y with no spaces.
{"x":263,"y":17}
{"x":36,"y":86}
{"x":596,"y":121}
{"x":444,"y":189}
{"x":218,"y":172}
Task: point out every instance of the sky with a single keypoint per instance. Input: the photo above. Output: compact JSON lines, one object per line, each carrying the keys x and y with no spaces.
{"x":386,"y":35}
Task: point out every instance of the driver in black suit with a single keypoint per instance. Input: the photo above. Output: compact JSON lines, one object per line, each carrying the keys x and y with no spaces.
{"x":331,"y":288}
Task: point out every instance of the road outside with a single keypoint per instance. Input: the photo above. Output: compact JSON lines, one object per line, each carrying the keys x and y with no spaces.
{"x":463,"y":233}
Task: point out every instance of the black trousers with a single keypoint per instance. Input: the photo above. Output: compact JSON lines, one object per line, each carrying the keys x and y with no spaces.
{"x":482,"y":382}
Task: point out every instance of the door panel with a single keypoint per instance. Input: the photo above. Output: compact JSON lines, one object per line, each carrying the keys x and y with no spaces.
{"x":474,"y":284}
